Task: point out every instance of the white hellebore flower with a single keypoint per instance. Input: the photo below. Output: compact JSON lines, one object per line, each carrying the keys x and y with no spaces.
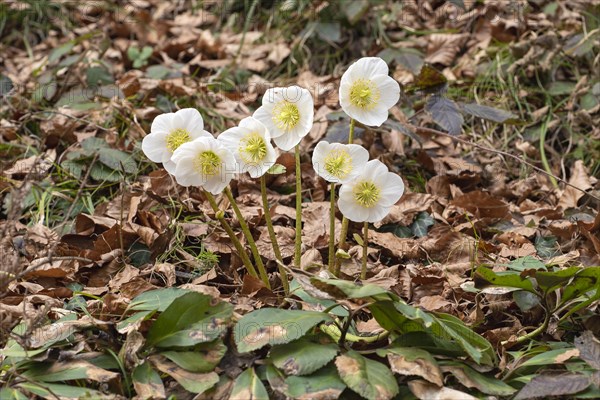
{"x":367,"y":92}
{"x":169,"y":131}
{"x":339,"y":163}
{"x":370,"y":196}
{"x":288,"y":115}
{"x":206,"y":163}
{"x":250,"y":143}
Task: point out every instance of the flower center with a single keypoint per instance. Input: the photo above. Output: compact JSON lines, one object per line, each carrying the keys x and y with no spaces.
{"x":338,"y":163}
{"x":286,"y":115}
{"x":364,"y":94}
{"x":253,"y":148}
{"x":176,"y":138}
{"x":366,"y":194}
{"x":208,"y":163}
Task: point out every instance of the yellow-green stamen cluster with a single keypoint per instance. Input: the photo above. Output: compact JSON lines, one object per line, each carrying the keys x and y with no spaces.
{"x":364,"y":94}
{"x":208,"y":163}
{"x":366,"y":194}
{"x":338,"y":163}
{"x":286,"y":115}
{"x":176,"y":138}
{"x":253,"y":148}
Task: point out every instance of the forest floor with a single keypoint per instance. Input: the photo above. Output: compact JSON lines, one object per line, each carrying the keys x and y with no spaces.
{"x":484,"y":280}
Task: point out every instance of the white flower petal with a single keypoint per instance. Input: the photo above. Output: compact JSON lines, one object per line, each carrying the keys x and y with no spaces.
{"x":378,"y":213}
{"x":367,"y":67}
{"x":360,"y":157}
{"x":389,"y":90}
{"x":348,"y":206}
{"x":163,"y":123}
{"x":265,"y":116}
{"x":374,"y":117}
{"x":170,"y":166}
{"x":392,"y":188}
{"x":190,"y":120}
{"x":154,"y":146}
{"x":287,"y":142}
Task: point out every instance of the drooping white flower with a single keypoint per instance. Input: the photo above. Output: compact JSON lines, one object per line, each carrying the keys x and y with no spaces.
{"x":370,"y":196}
{"x":169,"y":131}
{"x":206,"y":163}
{"x":367,"y":92}
{"x":288,"y":114}
{"x":339,"y":163}
{"x":250,"y":143}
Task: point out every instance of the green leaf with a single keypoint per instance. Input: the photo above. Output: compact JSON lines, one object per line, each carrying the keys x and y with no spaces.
{"x":158,"y":72}
{"x":117,"y":160}
{"x":92,"y":144}
{"x":67,"y":371}
{"x":248,"y":386}
{"x":489,"y":113}
{"x":61,"y":51}
{"x":274,"y":326}
{"x":323,"y":384}
{"x":147,"y":382}
{"x":485,"y":277}
{"x":476,"y":346}
{"x":525,"y":263}
{"x":133,"y":53}
{"x":371,"y":379}
{"x":561,"y":88}
{"x":551,"y":280}
{"x":412,"y":361}
{"x":342,"y":289}
{"x":429,"y":80}
{"x":51,"y":390}
{"x":276,"y":169}
{"x":302,"y":356}
{"x":546,"y":247}
{"x":156,"y":300}
{"x":445,"y":113}
{"x":97,"y":75}
{"x":191,"y":319}
{"x":102,"y":173}
{"x":586,"y":280}
{"x":525,"y":300}
{"x":204,"y":358}
{"x":409,"y":58}
{"x":550,"y":357}
{"x":421,"y":224}
{"x":146,"y":52}
{"x":470,"y":378}
{"x":355,"y":10}
{"x":191,"y":381}
{"x":12,"y":394}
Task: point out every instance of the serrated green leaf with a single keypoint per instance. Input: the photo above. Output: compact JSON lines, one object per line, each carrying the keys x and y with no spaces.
{"x":371,"y":379}
{"x":190,"y":319}
{"x":302,"y":357}
{"x":248,"y":386}
{"x":274,"y":326}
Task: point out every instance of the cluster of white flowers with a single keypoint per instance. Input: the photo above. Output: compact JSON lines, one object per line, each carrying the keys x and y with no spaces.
{"x":196,"y":158}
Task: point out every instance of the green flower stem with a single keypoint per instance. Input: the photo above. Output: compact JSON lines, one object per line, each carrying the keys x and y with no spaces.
{"x":261,"y":267}
{"x":272,"y":236}
{"x":238,"y":246}
{"x":363,"y":271}
{"x":298,"y":250}
{"x":345,"y":221}
{"x":332,"y":229}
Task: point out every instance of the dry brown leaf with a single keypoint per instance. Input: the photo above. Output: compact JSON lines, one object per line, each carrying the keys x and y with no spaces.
{"x":428,"y":391}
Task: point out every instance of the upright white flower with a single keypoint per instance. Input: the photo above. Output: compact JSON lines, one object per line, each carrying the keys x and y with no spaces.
{"x":370,"y":196}
{"x":250,"y":143}
{"x":367,"y":92}
{"x":206,"y":163}
{"x":169,"y":131}
{"x":338,"y":162}
{"x":288,"y":115}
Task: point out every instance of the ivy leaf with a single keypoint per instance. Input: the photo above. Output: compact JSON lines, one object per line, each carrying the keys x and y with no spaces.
{"x":117,"y":160}
{"x":445,"y":113}
{"x":489,"y":113}
{"x":421,"y":224}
